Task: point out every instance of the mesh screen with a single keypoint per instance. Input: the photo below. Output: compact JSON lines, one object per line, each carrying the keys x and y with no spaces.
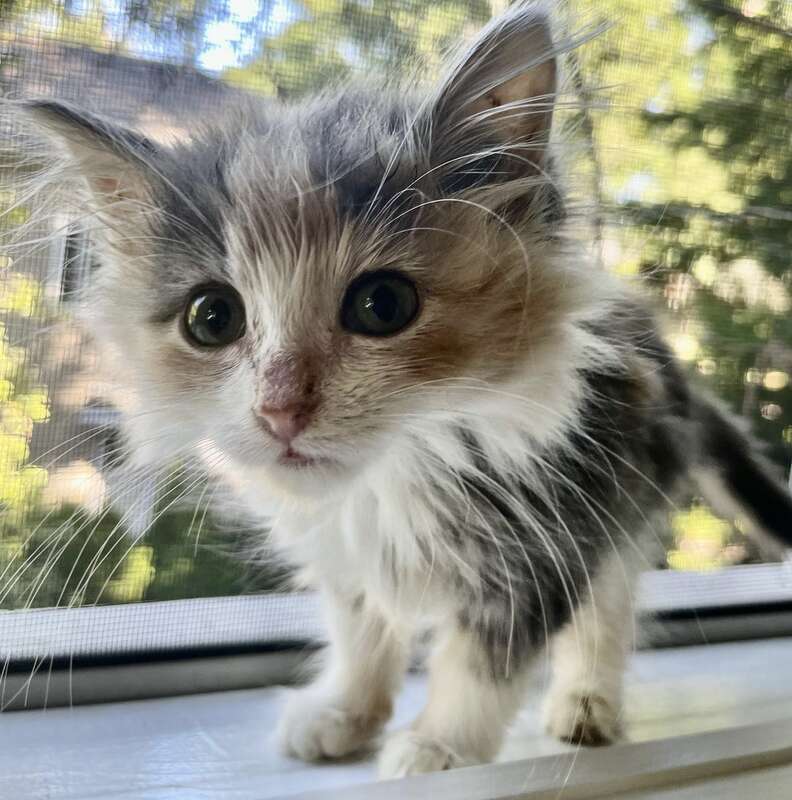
{"x":681,"y":121}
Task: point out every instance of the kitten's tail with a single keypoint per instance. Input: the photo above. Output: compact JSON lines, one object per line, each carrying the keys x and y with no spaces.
{"x":736,"y":479}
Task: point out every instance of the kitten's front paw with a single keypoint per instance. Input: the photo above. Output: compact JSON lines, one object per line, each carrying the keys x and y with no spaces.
{"x":585,"y":719}
{"x":410,"y":753}
{"x":315,"y":727}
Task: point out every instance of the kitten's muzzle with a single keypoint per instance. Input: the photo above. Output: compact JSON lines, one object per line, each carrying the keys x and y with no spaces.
{"x":288,"y":396}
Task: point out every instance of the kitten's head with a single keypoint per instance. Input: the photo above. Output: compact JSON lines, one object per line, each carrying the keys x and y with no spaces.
{"x":300,"y":287}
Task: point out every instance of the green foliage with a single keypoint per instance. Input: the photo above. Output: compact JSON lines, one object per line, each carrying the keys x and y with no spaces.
{"x":331,"y":39}
{"x":173,"y":28}
{"x":67,"y":556}
{"x":701,"y":541}
{"x":696,"y":155}
{"x":23,"y":400}
{"x":718,"y":219}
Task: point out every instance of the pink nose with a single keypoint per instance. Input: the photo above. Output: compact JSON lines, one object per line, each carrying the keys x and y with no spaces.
{"x":285,"y":424}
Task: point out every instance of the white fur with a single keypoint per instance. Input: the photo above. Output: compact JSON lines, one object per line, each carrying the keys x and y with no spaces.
{"x":376,"y":531}
{"x":351,"y":700}
{"x":584,"y":701}
{"x":465,"y":717}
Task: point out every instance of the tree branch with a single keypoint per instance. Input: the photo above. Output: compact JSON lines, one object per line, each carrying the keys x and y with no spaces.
{"x":756,"y":22}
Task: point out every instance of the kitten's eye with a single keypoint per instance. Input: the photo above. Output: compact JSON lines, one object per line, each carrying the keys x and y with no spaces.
{"x":215,"y":316}
{"x":379,"y":304}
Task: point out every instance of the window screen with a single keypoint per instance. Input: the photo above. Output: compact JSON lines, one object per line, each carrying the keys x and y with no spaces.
{"x":677,"y":118}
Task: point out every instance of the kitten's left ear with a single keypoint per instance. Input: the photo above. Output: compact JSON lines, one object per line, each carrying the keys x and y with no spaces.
{"x":500,"y":92}
{"x":114,"y":162}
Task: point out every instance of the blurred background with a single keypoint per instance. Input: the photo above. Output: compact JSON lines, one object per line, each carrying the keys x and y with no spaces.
{"x":682,"y":134}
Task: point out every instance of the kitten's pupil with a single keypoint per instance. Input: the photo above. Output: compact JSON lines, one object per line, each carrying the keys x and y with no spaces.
{"x":383,"y":303}
{"x":379,"y":304}
{"x":215,"y":317}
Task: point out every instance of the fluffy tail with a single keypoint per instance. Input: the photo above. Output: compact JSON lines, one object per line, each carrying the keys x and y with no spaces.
{"x":736,"y":479}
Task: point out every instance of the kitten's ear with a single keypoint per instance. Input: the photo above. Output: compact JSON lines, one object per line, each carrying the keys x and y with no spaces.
{"x":500,"y":91}
{"x":114,"y":161}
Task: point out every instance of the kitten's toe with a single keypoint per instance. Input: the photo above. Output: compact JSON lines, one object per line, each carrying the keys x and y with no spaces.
{"x":583,"y":719}
{"x":409,"y":753}
{"x":313,"y":728}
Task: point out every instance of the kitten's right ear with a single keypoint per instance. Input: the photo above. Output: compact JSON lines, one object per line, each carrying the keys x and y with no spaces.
{"x":113,"y":161}
{"x":498,"y":96}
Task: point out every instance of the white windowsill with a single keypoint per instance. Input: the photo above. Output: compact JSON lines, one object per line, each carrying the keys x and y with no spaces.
{"x":219,"y":746}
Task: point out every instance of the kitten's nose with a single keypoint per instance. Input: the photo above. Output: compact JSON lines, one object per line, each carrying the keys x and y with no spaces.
{"x":285,"y":424}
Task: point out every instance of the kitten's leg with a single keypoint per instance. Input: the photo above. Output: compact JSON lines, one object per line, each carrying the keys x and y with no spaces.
{"x":352,"y":698}
{"x":466,"y":715}
{"x":589,"y":655}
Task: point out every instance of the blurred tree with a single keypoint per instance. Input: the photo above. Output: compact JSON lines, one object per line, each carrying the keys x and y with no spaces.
{"x":69,"y":556}
{"x":172,"y":29}
{"x":728,"y":251}
{"x":331,"y":39}
{"x":23,"y":398}
{"x":695,"y":170}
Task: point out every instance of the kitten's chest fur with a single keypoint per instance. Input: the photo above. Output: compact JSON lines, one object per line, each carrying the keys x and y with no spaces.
{"x":385,"y":538}
{"x":509,"y":512}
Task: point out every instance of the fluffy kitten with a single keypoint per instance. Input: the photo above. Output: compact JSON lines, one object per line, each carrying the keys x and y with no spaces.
{"x":365,"y":311}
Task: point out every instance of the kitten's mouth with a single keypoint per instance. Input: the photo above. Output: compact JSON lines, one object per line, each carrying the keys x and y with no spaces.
{"x":291,"y":458}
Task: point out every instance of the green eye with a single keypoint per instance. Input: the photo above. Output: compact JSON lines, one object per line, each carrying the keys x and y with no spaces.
{"x":215,"y":316}
{"x":379,"y":304}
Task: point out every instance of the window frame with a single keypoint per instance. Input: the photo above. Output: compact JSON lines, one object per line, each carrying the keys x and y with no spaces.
{"x":211,"y":644}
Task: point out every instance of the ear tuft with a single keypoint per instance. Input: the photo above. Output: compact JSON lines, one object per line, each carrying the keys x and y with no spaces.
{"x":501,"y":89}
{"x":111,"y":158}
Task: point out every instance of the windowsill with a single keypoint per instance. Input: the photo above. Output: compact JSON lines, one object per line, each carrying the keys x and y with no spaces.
{"x":220,"y":745}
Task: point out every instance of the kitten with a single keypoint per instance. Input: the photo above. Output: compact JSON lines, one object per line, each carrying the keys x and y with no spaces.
{"x":366,"y":311}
